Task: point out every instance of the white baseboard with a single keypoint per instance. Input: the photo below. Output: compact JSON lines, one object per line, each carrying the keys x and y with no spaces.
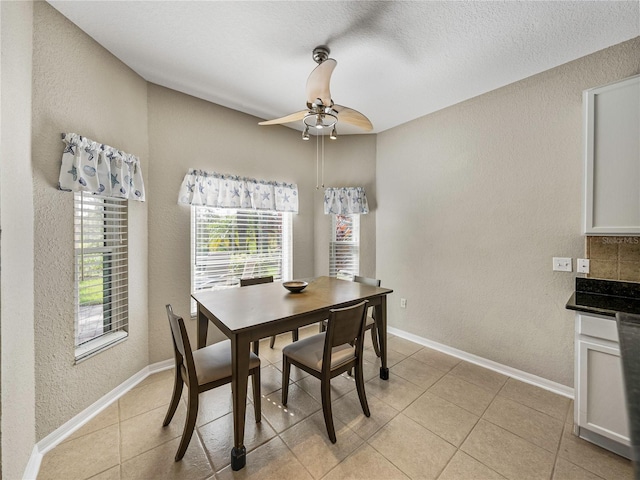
{"x":62,"y":432}
{"x":33,"y":465}
{"x":490,"y":364}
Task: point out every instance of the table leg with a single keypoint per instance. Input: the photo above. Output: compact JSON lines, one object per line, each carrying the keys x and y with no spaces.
{"x":240,"y":346}
{"x":202,"y":329}
{"x":381,"y":323}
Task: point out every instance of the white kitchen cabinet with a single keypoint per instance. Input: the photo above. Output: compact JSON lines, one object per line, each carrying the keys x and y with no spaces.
{"x":612,"y":159}
{"x":600,"y":414}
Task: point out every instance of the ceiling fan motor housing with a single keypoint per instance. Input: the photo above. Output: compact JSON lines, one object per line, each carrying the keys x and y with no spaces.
{"x":321,"y":53}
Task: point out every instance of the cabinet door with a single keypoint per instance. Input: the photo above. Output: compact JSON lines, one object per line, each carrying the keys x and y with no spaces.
{"x":612,"y":158}
{"x":601,"y":401}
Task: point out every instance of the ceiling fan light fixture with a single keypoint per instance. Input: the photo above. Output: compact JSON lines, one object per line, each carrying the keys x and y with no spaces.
{"x":305,"y":134}
{"x":320,"y":120}
{"x":334,"y":134}
{"x":329,"y":120}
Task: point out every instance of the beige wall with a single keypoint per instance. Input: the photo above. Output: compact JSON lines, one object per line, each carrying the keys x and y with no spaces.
{"x":16,"y":214}
{"x":186,"y":132}
{"x":475,"y":200}
{"x":80,"y":87}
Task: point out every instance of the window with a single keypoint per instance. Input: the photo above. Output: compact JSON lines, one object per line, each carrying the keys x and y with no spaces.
{"x":344,"y":248}
{"x":230,"y":244}
{"x":101,"y":272}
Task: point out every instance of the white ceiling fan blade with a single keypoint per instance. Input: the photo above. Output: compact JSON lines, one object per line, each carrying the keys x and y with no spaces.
{"x":318,"y":82}
{"x":353,"y":117}
{"x":293,"y":117}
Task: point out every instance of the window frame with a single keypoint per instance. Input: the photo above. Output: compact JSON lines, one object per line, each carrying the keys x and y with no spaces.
{"x":230,"y":275}
{"x":102,"y":221}
{"x":353,"y":263}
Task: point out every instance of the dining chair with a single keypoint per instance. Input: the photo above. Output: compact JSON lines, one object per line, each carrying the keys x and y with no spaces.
{"x":371,"y":322}
{"x":629,"y":337}
{"x":328,"y":354}
{"x":344,"y":275}
{"x":245,"y":282}
{"x":371,"y":316}
{"x":202,"y":370}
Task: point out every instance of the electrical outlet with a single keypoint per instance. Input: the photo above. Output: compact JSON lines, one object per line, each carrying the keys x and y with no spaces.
{"x":562,"y":264}
{"x":583,"y":265}
{"x":403,"y":303}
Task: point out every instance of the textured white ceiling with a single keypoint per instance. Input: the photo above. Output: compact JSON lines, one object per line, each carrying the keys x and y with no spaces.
{"x":396,"y":60}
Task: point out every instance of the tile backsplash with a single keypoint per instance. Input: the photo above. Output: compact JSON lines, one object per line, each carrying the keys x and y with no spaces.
{"x":614,"y":258}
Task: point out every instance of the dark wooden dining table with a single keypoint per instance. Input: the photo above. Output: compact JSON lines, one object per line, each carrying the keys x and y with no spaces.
{"x":251,"y":313}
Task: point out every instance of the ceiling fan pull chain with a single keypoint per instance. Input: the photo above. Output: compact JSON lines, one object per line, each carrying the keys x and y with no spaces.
{"x":322,"y":160}
{"x":317,"y":167}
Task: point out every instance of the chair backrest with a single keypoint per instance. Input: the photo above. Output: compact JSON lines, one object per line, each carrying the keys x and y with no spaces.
{"x":344,"y":275}
{"x":181,"y":345}
{"x":629,"y":337}
{"x":374,"y":282}
{"x":345,"y":325}
{"x":245,"y":282}
{"x":248,"y":269}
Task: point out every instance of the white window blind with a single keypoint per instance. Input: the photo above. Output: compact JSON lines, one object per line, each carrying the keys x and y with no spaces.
{"x":344,"y":247}
{"x":101,"y":272}
{"x":230,"y":244}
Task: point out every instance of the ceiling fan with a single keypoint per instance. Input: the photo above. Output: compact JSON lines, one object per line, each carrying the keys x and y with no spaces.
{"x":321,"y":112}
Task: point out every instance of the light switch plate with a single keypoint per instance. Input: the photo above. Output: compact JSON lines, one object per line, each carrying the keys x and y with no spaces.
{"x":562,"y":264}
{"x":583,"y":265}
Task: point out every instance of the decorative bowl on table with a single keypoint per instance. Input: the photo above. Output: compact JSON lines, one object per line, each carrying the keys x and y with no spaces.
{"x":295,"y":286}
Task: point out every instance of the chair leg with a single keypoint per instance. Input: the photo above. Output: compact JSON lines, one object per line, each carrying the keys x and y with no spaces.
{"x":374,"y":340}
{"x":175,"y":399}
{"x":286,"y":371}
{"x":360,"y":387}
{"x":295,"y":334}
{"x":325,"y":393}
{"x":189,"y":424}
{"x":256,"y":347}
{"x":273,"y":341}
{"x":257,"y":405}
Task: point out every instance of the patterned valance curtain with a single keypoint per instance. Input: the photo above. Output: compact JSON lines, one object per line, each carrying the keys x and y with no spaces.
{"x":345,"y":200}
{"x":229,"y":191}
{"x":99,"y":169}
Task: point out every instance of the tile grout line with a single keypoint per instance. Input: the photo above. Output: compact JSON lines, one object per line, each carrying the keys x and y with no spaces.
{"x":383,"y":455}
{"x":119,"y":440}
{"x":459,"y":406}
{"x":555,"y":462}
{"x":401,"y":412}
{"x":202,"y":444}
{"x":459,"y":449}
{"x":520,"y":436}
{"x":367,"y":441}
{"x":558,"y":456}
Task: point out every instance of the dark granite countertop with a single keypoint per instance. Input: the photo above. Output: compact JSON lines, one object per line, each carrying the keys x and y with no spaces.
{"x":605,"y":297}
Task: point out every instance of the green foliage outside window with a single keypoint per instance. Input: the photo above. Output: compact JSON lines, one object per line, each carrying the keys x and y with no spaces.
{"x":230,"y":246}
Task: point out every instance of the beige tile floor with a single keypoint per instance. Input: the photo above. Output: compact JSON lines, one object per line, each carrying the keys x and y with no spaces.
{"x":436,"y":418}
